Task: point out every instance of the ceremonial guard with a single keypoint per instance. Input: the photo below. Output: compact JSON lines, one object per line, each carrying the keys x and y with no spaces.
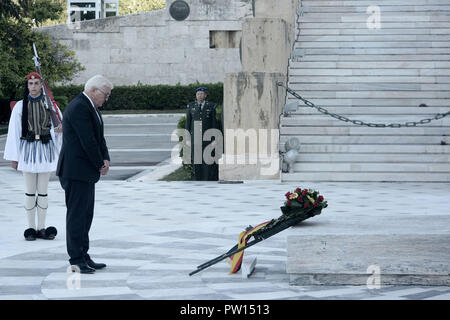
{"x":203,"y":113}
{"x":32,"y":146}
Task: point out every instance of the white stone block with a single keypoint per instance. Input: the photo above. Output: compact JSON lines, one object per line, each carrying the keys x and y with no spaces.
{"x":121,"y":55}
{"x":150,"y":18}
{"x":225,"y":25}
{"x":248,"y":266}
{"x":171,"y":56}
{"x":202,"y":43}
{"x":198,"y":30}
{"x":129,"y":36}
{"x":116,"y":40}
{"x":154,"y":70}
{"x":400,"y":259}
{"x":176,"y":30}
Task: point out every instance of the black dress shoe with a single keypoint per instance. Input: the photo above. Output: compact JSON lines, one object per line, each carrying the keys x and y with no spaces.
{"x":94,"y":265}
{"x":82,"y":268}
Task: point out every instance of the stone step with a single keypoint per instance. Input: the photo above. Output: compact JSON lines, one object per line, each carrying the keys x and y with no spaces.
{"x":327,"y":121}
{"x":363,"y":25}
{"x":373,"y":57}
{"x":423,"y":95}
{"x":368,"y":72}
{"x":371,"y":167}
{"x":301,"y":88}
{"x":429,"y":112}
{"x":329,"y":102}
{"x":366,"y":3}
{"x":377,"y":102}
{"x":369,"y":64}
{"x":377,"y":259}
{"x":373,"y":157}
{"x":375,"y":38}
{"x":399,"y":17}
{"x":366,"y":176}
{"x":392,"y":44}
{"x":367,"y":79}
{"x":359,"y":130}
{"x":295,"y":119}
{"x":374,"y":148}
{"x":362,"y":139}
{"x":372,"y":32}
{"x":383,"y":8}
{"x":372,"y":51}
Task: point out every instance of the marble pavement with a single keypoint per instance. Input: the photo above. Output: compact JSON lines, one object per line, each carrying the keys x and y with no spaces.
{"x":151,"y":234}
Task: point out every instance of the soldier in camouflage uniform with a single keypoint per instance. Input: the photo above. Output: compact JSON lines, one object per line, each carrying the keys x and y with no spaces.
{"x":203,"y":112}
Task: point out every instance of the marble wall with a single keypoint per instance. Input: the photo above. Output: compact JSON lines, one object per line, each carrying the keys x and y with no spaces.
{"x":154,"y":48}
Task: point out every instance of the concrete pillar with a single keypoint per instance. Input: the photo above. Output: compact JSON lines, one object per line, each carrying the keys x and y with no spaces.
{"x":283,"y":9}
{"x":252,"y":105}
{"x":265,"y":45}
{"x":252,"y":100}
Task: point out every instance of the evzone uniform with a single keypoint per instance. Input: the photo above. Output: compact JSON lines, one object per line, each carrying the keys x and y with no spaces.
{"x":34,"y":144}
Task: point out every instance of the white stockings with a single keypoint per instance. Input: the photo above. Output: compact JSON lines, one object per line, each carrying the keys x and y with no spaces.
{"x":36,"y":187}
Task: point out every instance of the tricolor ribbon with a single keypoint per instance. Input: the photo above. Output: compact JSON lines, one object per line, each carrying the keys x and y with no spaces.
{"x":244,"y":236}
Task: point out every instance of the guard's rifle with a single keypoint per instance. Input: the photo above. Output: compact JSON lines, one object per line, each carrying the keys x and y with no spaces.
{"x":49,"y":101}
{"x":260,"y":236}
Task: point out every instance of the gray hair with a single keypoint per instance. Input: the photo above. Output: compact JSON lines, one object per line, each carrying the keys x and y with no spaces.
{"x":97,"y":81}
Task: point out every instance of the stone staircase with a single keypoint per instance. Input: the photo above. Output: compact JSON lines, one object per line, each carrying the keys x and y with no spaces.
{"x":374,"y":75}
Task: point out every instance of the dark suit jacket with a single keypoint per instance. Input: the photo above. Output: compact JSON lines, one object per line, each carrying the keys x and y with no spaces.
{"x":84,"y":146}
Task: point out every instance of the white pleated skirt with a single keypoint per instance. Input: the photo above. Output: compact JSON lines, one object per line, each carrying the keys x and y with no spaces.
{"x":37,"y":157}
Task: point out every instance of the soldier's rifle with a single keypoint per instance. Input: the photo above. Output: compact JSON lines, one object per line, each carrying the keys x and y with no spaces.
{"x":49,"y":101}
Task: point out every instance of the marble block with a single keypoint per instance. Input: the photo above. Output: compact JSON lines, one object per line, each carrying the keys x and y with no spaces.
{"x":248,"y":266}
{"x":409,"y":259}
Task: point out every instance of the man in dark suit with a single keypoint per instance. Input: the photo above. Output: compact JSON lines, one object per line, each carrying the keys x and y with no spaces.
{"x":83,"y":158}
{"x":203,"y":113}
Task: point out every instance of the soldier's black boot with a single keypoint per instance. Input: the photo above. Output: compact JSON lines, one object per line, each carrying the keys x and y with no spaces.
{"x":30,"y":234}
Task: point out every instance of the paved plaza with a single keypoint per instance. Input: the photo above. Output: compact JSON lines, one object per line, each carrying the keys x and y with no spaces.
{"x":151,"y":234}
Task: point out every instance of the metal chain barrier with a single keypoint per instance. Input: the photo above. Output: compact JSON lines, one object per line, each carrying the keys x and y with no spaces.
{"x":359,"y":122}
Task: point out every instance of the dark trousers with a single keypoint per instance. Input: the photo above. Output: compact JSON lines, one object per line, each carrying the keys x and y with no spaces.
{"x":206,"y":172}
{"x":80,"y":197}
